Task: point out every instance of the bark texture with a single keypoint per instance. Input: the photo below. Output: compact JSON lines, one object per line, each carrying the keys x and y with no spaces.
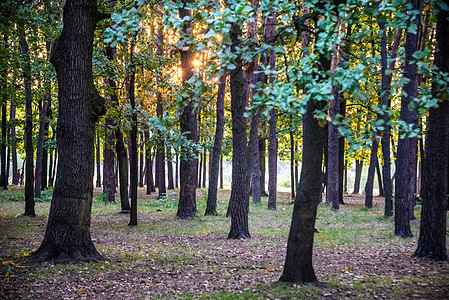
{"x":432,"y":235}
{"x":370,"y":180}
{"x":239,"y":201}
{"x":67,"y":237}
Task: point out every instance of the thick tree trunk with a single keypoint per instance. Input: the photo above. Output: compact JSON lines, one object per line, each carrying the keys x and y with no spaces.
{"x":406,"y":152}
{"x":97,"y":160}
{"x":28,"y":136}
{"x":298,"y":266}
{"x":187,"y":193}
{"x":371,"y":170}
{"x":12,"y":116}
{"x":133,"y":151}
{"x":211,"y":206}
{"x":67,"y":237}
{"x":358,"y":176}
{"x":239,"y":201}
{"x":432,"y":235}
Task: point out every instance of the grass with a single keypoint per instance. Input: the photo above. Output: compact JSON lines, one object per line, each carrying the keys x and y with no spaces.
{"x":356,"y":254}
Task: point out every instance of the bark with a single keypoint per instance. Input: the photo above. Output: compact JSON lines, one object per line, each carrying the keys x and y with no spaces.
{"x":239,"y":201}
{"x":358,"y":176}
{"x":200,"y":166}
{"x":28,"y":135}
{"x":67,"y":237}
{"x":187,"y":170}
{"x":108,"y":160}
{"x":97,"y":160}
{"x":211,"y":206}
{"x":386,"y":83}
{"x":133,"y":151}
{"x":345,"y":183}
{"x":406,"y":152}
{"x":273,"y":143}
{"x":371,"y":170}
{"x":332,"y":192}
{"x":298,"y":266}
{"x":432,"y":235}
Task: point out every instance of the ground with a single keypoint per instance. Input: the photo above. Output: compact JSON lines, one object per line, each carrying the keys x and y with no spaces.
{"x":356,"y":255}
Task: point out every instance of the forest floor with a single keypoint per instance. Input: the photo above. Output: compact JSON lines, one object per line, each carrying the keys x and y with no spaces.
{"x":356,"y":254}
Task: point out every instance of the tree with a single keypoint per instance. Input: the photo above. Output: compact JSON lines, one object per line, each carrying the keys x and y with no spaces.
{"x":432,"y":235}
{"x":406,"y":153}
{"x":211,"y":206}
{"x":29,"y":152}
{"x":67,"y":237}
{"x":188,"y":120}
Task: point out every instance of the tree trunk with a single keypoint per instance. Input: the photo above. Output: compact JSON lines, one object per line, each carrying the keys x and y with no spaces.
{"x":406,"y":152}
{"x":200,"y":168}
{"x":262,"y":151}
{"x":187,"y":193}
{"x":97,"y":160}
{"x":432,"y":235}
{"x":149,"y":164}
{"x":141,"y":162}
{"x":211,"y":206}
{"x":170,"y":169}
{"x":379,"y":179}
{"x":345,"y":183}
{"x":239,"y":201}
{"x":298,"y":266}
{"x":386,"y":83}
{"x":371,"y":170}
{"x":176,"y":171}
{"x":221,"y":171}
{"x":133,"y":151}
{"x":108,"y":160}
{"x":204,"y":167}
{"x":28,"y":135}
{"x":120,"y":148}
{"x":333,"y":170}
{"x":67,"y":237}
{"x":3,"y":177}
{"x":273,"y":145}
{"x":358,"y":176}
{"x":12,"y":116}
{"x":292,"y":164}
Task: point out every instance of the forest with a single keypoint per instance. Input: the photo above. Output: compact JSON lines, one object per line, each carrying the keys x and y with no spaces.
{"x":224,"y":149}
